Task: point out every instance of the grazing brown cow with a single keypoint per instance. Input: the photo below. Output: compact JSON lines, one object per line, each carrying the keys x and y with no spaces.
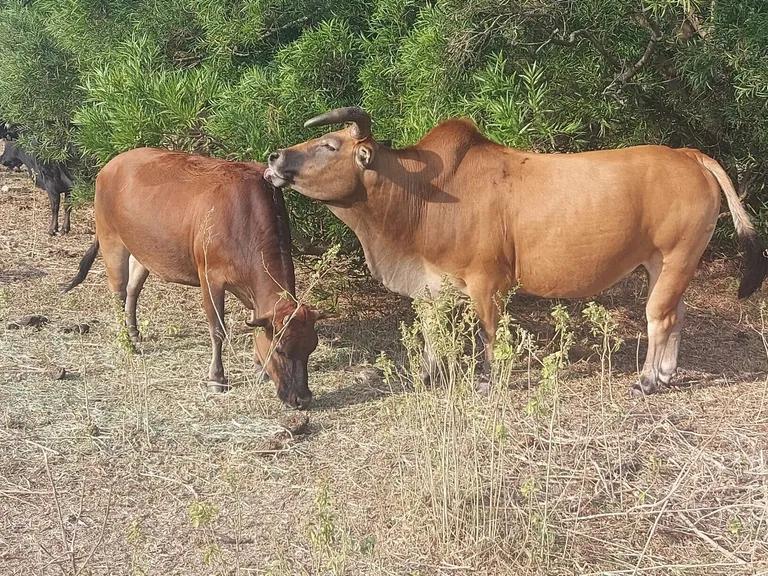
{"x":210,"y":223}
{"x":492,"y":218}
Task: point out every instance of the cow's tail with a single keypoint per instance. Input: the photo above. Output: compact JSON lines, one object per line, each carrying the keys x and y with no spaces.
{"x":755,"y":261}
{"x":85,"y":265}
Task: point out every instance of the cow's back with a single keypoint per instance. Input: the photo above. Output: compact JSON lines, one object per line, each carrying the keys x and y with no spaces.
{"x":176,"y":212}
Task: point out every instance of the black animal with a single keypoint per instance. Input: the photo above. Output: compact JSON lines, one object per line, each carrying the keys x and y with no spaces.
{"x":52,"y":177}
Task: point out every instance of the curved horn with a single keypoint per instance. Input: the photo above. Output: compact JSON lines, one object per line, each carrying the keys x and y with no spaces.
{"x":361,"y":128}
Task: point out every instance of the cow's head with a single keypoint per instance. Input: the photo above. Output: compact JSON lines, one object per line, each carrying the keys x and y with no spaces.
{"x":283,"y":347}
{"x":328,"y":168}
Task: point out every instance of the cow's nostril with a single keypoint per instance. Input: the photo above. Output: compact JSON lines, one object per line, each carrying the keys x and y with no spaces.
{"x":274,"y":156}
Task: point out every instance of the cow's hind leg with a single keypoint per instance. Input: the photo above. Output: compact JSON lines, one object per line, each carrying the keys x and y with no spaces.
{"x":137,"y":275}
{"x":67,"y":212}
{"x":213,"y":303}
{"x":55,"y":199}
{"x":665,"y":312}
{"x":116,"y":261}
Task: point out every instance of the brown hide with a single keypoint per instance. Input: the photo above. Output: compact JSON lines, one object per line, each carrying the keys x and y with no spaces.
{"x":492,"y":218}
{"x":205,"y":222}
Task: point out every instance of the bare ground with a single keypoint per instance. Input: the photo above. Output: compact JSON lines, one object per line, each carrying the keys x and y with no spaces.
{"x":126,"y":466}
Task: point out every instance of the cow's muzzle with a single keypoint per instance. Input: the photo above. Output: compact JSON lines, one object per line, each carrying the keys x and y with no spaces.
{"x":275,"y":173}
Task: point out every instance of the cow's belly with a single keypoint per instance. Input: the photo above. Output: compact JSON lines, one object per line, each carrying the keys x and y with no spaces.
{"x":170,"y":267}
{"x":163,"y":257}
{"x":575,"y":275}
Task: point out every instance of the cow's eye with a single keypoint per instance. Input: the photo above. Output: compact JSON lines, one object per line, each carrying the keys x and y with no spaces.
{"x":329,"y":146}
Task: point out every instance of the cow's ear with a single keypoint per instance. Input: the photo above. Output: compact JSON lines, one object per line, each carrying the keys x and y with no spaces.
{"x":364,"y":155}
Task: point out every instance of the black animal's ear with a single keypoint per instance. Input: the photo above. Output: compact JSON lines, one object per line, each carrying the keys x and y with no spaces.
{"x":364,"y":155}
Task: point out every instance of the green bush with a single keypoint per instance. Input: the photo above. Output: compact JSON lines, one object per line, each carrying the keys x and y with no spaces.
{"x":87,"y":79}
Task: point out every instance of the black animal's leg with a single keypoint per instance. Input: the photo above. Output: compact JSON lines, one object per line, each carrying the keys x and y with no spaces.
{"x":67,"y":209}
{"x":55,"y":200}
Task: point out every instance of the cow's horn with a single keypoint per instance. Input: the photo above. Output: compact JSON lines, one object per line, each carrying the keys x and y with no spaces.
{"x":360,"y":119}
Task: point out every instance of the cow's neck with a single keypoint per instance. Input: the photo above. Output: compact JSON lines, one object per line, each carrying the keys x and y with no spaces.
{"x":387,"y":218}
{"x":271,"y":275}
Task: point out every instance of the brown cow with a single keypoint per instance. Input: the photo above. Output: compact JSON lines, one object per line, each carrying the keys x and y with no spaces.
{"x":492,"y":218}
{"x":211,"y":223}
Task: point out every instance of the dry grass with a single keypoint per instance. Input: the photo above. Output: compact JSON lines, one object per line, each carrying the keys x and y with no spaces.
{"x":127,"y":467}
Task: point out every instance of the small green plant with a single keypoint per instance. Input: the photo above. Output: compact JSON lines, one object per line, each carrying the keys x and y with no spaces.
{"x":367,"y":545}
{"x":444,"y":332}
{"x":330,"y":544}
{"x":122,"y":338}
{"x":172,"y":330}
{"x":322,"y":531}
{"x":386,"y":366}
{"x":136,"y":540}
{"x":544,"y":401}
{"x":202,"y":516}
{"x":459,"y":435}
{"x":202,"y":513}
{"x":603,"y":326}
{"x":735,"y":526}
{"x":211,"y":554}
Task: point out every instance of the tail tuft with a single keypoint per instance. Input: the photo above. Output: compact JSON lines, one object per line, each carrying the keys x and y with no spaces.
{"x":755,"y":265}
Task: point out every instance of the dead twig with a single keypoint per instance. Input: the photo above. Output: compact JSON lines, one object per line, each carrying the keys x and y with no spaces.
{"x":101,"y":534}
{"x":64,"y":541}
{"x":707,"y":539}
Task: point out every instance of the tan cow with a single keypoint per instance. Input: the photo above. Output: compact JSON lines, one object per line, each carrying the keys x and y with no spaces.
{"x":210,"y":223}
{"x":492,"y":218}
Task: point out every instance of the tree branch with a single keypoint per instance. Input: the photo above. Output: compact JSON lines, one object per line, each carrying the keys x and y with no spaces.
{"x":656,"y":37}
{"x":561,"y":41}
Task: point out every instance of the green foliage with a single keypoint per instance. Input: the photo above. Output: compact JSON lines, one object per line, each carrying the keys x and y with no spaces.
{"x":38,"y":82}
{"x":202,"y":513}
{"x":87,"y":79}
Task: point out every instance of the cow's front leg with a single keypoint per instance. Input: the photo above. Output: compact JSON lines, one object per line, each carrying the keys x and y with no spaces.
{"x":430,"y":366}
{"x":488,"y":314}
{"x":213,"y":303}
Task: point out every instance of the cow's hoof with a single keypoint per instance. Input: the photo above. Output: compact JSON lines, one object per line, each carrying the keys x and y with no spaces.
{"x":261,"y":374}
{"x":642,"y":387}
{"x":218,"y":387}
